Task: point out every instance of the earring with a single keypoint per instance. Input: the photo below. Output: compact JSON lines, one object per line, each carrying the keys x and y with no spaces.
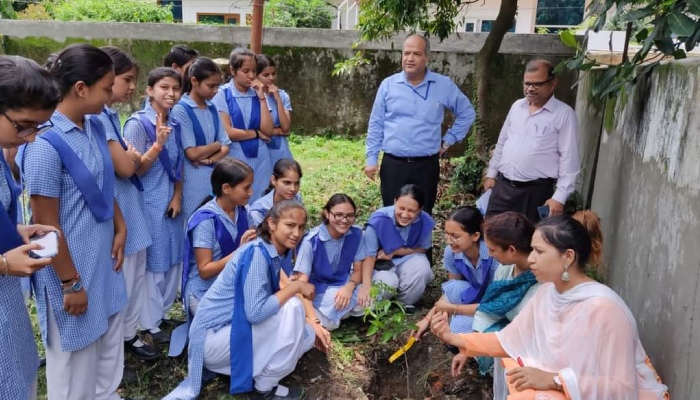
{"x":565,"y":275}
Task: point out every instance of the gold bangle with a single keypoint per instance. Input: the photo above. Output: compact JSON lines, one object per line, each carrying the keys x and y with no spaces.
{"x":455,"y":311}
{"x":7,"y":265}
{"x":148,"y":158}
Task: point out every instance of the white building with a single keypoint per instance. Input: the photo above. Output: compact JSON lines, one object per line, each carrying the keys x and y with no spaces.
{"x":476,"y":17}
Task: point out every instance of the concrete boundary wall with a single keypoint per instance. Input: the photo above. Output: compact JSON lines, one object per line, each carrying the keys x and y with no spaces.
{"x":280,"y":37}
{"x":305,"y":59}
{"x":647,"y":193}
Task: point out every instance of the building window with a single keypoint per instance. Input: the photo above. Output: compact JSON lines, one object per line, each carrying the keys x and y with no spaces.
{"x":224,"y":19}
{"x":176,"y":10}
{"x":487,"y":24}
{"x":469,"y":27}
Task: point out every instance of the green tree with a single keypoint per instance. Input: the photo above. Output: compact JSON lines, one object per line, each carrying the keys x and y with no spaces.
{"x":298,"y":14}
{"x":109,"y":11}
{"x":663,"y":28}
{"x":381,"y":19}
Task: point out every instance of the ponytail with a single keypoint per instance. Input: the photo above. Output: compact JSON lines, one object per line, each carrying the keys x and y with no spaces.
{"x":591,"y":222}
{"x":580,"y":233}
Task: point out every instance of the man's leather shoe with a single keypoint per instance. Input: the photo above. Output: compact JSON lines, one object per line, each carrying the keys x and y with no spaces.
{"x":146,"y":352}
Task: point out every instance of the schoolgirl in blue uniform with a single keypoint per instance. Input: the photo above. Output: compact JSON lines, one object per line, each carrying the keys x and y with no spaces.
{"x":156,"y":135}
{"x":218,"y":227}
{"x":280,"y":109}
{"x":69,"y":177}
{"x":250,"y":324}
{"x":129,"y":193}
{"x":330,"y":257}
{"x":244,"y":110}
{"x":284,"y":185}
{"x":28,"y":97}
{"x":470,"y":270}
{"x":397,"y":239}
{"x":204,"y":138}
{"x":179,"y":58}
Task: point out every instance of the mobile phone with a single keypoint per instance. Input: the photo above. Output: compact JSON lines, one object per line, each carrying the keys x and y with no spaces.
{"x":49,"y":242}
{"x":169,"y":213}
{"x":543,"y":211}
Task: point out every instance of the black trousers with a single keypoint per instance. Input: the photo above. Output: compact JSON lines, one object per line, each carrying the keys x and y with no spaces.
{"x":523,"y":197}
{"x":396,"y":172}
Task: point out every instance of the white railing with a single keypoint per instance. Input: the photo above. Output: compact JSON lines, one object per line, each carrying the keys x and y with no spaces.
{"x":347,"y":15}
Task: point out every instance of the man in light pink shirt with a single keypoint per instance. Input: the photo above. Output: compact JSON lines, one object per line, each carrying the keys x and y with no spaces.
{"x":536,"y":160}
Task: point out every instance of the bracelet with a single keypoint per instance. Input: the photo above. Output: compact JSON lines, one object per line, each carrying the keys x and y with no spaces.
{"x":317,"y":320}
{"x":148,"y":158}
{"x":455,"y":311}
{"x":353,"y":282}
{"x":157,"y":146}
{"x":262,"y":98}
{"x":257,"y":134}
{"x":7,"y":265}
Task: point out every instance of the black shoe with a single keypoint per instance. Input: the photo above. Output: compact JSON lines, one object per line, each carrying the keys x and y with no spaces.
{"x":294,"y":394}
{"x":409,"y":309}
{"x":145,"y":352}
{"x":452,"y":349}
{"x":170,"y":323}
{"x":157,"y":339}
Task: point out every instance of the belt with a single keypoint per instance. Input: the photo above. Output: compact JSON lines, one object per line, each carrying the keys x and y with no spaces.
{"x":536,"y":182}
{"x":410,"y":159}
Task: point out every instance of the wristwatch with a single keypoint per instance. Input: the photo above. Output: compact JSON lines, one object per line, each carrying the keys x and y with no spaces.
{"x":445,"y":146}
{"x":557,"y":381}
{"x":73,"y":288}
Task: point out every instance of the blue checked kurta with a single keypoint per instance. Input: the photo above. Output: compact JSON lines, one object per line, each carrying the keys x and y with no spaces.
{"x":18,"y":358}
{"x":204,"y":236}
{"x":372,"y":241}
{"x":167,"y":233}
{"x":89,"y":241}
{"x":262,"y":168}
{"x":130,"y":199}
{"x":453,"y":288}
{"x":197,"y":184}
{"x":262,"y":206}
{"x":216,"y":309}
{"x":325,"y":303}
{"x":283,"y":151}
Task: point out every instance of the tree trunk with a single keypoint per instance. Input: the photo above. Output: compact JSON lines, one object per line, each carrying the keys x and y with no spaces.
{"x":505,"y":19}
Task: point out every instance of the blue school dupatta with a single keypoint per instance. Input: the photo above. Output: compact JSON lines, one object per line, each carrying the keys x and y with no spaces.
{"x":241,"y":328}
{"x":8,"y":218}
{"x":227,"y":243}
{"x":100,"y":202}
{"x":133,"y":178}
{"x":322,"y":274}
{"x":389,"y":236}
{"x":477,"y":288}
{"x":199,"y":138}
{"x":249,"y":146}
{"x":174,"y":174}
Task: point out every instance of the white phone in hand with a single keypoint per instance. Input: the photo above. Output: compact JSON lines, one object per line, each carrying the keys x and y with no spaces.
{"x":49,"y":242}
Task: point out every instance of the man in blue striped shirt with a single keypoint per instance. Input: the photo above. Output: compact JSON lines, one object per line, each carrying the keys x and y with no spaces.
{"x":406,"y":123}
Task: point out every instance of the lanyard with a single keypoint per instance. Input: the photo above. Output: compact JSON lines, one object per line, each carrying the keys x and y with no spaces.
{"x":427,"y":91}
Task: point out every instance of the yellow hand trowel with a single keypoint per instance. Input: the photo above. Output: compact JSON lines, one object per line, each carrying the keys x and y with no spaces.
{"x":402,"y":350}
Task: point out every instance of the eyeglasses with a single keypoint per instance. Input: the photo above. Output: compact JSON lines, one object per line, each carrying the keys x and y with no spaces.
{"x":23,"y":131}
{"x":341,"y":217}
{"x":536,"y":85}
{"x":452,"y":239}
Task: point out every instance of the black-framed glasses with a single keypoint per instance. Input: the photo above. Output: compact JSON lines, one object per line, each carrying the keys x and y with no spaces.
{"x":340,"y":216}
{"x":23,"y":131}
{"x":536,"y":85}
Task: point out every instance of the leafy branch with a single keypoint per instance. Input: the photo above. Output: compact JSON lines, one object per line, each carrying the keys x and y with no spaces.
{"x":387,"y":317}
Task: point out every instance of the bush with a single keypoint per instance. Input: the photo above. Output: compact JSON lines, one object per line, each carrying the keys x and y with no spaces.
{"x":110,"y":11}
{"x":35,"y":12}
{"x":468,"y":172}
{"x":298,"y":14}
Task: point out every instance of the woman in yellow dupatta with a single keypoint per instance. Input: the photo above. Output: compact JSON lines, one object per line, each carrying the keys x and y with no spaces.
{"x":576,"y":339}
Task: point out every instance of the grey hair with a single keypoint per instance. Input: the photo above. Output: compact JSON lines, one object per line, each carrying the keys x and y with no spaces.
{"x":536,"y":65}
{"x":426,"y":42}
